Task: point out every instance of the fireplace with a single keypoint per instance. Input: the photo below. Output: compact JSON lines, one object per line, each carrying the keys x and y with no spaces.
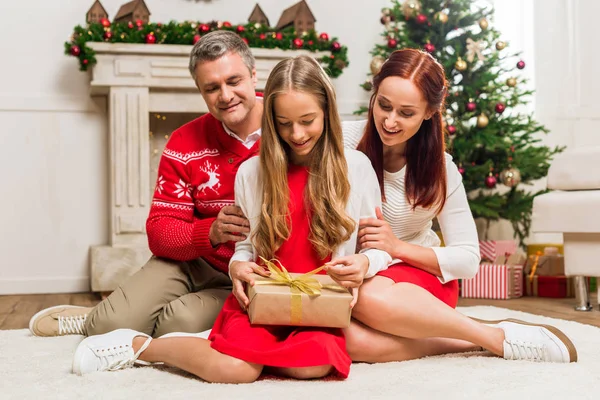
{"x":143,"y":83}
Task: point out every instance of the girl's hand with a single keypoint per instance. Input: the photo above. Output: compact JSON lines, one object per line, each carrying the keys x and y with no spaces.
{"x":349,"y":272}
{"x":376,"y":233}
{"x":242,"y":272}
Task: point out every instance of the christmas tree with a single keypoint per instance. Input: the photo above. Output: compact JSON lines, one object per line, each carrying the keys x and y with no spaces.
{"x":496,"y":147}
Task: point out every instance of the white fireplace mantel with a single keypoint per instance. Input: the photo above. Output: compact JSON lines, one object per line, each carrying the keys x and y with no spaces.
{"x":139,"y":79}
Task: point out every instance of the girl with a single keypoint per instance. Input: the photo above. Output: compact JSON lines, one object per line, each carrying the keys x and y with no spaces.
{"x":407,"y":311}
{"x":302,"y":198}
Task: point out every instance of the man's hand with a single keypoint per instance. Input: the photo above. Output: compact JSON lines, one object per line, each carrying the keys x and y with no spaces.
{"x":349,"y":272}
{"x":376,"y":233}
{"x":242,"y":272}
{"x":231,"y":225}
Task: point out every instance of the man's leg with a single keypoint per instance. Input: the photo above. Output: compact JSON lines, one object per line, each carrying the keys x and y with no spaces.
{"x":196,"y":312}
{"x":139,"y":301}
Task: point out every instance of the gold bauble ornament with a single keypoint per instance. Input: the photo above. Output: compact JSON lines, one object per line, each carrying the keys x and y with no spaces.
{"x":512,"y":82}
{"x":376,"y":64}
{"x":410,"y":8}
{"x":482,"y":121}
{"x":460,"y":64}
{"x":500,"y":45}
{"x":511,"y":176}
{"x":483,"y":23}
{"x":442,"y":17}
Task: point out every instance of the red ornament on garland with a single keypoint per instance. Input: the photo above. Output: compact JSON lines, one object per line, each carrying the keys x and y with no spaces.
{"x":310,"y":42}
{"x":75,"y":51}
{"x":150,"y":38}
{"x":130,"y":25}
{"x":139,"y":23}
{"x":262,"y":36}
{"x":491,"y":181}
{"x":107,"y":35}
{"x":421,"y":19}
{"x":471,"y":106}
{"x":521,"y":64}
{"x":323,"y":36}
{"x":246,"y":41}
{"x":500,"y":107}
{"x":227,"y":24}
{"x":336,"y":46}
{"x":196,"y":38}
{"x":461,"y":170}
{"x":451,"y":129}
{"x":278,"y":36}
{"x":298,"y":43}
{"x":105,"y":22}
{"x":392,"y":43}
{"x":85,"y":61}
{"x":204,"y":28}
{"x":430,"y":48}
{"x":240,"y":28}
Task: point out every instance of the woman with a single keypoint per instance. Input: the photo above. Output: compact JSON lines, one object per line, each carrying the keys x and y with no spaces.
{"x":303,"y":199}
{"x":407,"y":311}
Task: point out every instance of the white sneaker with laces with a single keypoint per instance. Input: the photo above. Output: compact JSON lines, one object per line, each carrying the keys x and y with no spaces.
{"x":109,"y":352}
{"x":536,"y":342}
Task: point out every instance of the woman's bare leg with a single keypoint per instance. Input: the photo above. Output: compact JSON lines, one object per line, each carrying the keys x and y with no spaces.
{"x":195,"y":355}
{"x":320,"y":371}
{"x":409,"y":311}
{"x":366,"y":344}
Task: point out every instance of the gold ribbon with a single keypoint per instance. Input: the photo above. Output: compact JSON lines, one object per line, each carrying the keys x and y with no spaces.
{"x":304,"y":283}
{"x":535,"y":265}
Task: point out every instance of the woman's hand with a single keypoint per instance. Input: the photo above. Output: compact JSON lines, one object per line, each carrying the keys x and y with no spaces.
{"x":349,"y":272}
{"x":376,"y":233}
{"x":242,"y":272}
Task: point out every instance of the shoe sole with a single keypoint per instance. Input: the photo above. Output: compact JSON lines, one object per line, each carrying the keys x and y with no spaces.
{"x":563,"y":338}
{"x":45,"y":310}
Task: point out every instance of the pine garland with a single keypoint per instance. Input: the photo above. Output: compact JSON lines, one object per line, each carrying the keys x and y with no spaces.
{"x":187,"y":33}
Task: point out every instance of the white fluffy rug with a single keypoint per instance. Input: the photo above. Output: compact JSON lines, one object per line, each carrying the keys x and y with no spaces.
{"x":32,"y":367}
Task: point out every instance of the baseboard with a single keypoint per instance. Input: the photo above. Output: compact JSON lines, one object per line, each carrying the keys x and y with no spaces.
{"x":45,"y":285}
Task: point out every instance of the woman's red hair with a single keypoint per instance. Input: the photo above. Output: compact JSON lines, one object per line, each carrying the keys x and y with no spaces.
{"x":425,"y":184}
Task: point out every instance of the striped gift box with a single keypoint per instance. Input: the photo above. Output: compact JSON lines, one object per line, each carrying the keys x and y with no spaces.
{"x":494,"y":281}
{"x":491,"y":249}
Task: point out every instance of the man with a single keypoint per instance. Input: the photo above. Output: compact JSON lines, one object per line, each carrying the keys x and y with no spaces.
{"x":193,"y":224}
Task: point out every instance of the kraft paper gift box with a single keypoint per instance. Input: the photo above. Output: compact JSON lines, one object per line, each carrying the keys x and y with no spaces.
{"x":501,"y":280}
{"x":545,"y":265}
{"x":273,"y":303}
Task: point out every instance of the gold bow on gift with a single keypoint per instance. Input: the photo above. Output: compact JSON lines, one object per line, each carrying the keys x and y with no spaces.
{"x":304,"y":283}
{"x":535,"y":265}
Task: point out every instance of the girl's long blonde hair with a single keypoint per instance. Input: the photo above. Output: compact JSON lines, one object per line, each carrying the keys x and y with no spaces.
{"x":328,"y":188}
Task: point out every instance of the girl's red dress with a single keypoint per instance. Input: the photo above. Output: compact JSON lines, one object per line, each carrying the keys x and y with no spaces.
{"x":284,"y":346}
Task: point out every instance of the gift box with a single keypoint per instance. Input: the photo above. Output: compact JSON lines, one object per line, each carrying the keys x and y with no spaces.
{"x":545,"y":265}
{"x":501,"y":280}
{"x":550,"y":286}
{"x":490,"y":250}
{"x":533,"y":249}
{"x":298,"y":300}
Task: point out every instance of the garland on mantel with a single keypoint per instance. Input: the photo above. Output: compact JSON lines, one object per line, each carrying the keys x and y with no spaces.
{"x":188,"y":33}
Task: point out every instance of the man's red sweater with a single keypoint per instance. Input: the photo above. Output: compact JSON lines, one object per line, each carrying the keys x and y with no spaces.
{"x":196,"y":178}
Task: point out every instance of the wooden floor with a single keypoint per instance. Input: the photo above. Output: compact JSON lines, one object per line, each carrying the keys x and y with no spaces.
{"x":16,"y":310}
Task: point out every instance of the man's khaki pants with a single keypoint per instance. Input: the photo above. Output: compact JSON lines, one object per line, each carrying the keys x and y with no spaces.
{"x":164,"y":296}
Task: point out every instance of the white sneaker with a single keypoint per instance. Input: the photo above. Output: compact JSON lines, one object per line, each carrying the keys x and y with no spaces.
{"x":108,"y":352}
{"x":201,"y":335}
{"x":536,"y":342}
